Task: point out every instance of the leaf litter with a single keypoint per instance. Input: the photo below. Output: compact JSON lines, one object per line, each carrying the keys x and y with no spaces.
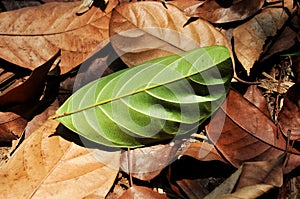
{"x":249,"y":139}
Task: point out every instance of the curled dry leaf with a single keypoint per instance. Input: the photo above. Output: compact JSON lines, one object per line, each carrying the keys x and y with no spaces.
{"x":11,"y":126}
{"x":137,"y":192}
{"x":289,"y":116}
{"x":212,"y":11}
{"x":241,"y":132}
{"x":250,"y":38}
{"x":51,"y":167}
{"x":147,"y":162}
{"x":139,"y":35}
{"x":254,"y":191}
{"x":29,"y":40}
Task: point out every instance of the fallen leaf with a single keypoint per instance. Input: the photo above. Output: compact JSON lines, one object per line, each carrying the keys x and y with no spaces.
{"x":137,"y":192}
{"x":138,"y":35}
{"x":11,"y":126}
{"x":147,"y":162}
{"x":254,"y":96}
{"x":236,"y":10}
{"x":40,"y":119}
{"x":25,"y":95}
{"x":203,"y":151}
{"x":29,"y":40}
{"x":255,"y":175}
{"x":242,"y":133}
{"x":250,"y":38}
{"x":253,"y":191}
{"x":289,"y":115}
{"x":51,"y":167}
{"x":186,"y":6}
{"x":226,"y":187}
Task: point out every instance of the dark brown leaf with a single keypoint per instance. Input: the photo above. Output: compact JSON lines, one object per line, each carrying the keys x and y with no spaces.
{"x":289,"y":116}
{"x":243,"y":133}
{"x":147,"y":162}
{"x":138,"y":192}
{"x":254,"y":96}
{"x":11,"y":126}
{"x":235,"y":10}
{"x":203,"y":151}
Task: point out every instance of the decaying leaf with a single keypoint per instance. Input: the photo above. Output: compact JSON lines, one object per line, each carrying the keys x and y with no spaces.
{"x":30,"y":36}
{"x":21,"y":97}
{"x":40,"y":119}
{"x":147,"y":162}
{"x":243,"y":133}
{"x":203,"y":151}
{"x":236,"y":10}
{"x":251,"y":175}
{"x":254,"y":96}
{"x":250,"y":38}
{"x":137,"y":192}
{"x":51,"y":167}
{"x":11,"y":126}
{"x":289,"y":116}
{"x":152,"y":102}
{"x":139,"y":35}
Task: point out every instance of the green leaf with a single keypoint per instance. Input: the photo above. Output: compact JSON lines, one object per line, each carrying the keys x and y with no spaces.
{"x":151,"y":102}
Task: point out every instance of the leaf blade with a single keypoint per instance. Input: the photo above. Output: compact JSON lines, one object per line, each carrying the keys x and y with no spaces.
{"x":110,"y":104}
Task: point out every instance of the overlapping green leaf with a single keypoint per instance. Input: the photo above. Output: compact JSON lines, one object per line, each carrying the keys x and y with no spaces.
{"x":153,"y":101}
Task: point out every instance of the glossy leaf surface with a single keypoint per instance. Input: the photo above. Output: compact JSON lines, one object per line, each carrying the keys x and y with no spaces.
{"x":153,"y":101}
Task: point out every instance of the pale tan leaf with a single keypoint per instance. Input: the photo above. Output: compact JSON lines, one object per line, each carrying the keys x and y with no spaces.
{"x":30,"y":36}
{"x":142,"y":31}
{"x":250,"y":37}
{"x":50,"y":167}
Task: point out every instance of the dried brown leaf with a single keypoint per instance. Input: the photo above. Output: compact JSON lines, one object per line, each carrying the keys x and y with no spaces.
{"x":250,"y":38}
{"x":253,"y":191}
{"x":237,"y":10}
{"x":40,"y":119}
{"x":203,"y":151}
{"x":51,"y":167}
{"x":254,"y":96}
{"x":143,"y":31}
{"x":147,"y":162}
{"x":241,"y":132}
{"x":289,"y":115}
{"x":266,"y":174}
{"x":11,"y":126}
{"x":30,"y":36}
{"x":137,"y":192}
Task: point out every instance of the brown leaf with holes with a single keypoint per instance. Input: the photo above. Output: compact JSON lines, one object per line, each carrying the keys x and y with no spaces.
{"x":250,"y":38}
{"x":30,"y":36}
{"x":242,"y":133}
{"x":137,"y":192}
{"x":138,"y":35}
{"x":11,"y":126}
{"x":47,"y":166}
{"x":147,"y":162}
{"x":289,"y":115}
{"x":226,"y":11}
